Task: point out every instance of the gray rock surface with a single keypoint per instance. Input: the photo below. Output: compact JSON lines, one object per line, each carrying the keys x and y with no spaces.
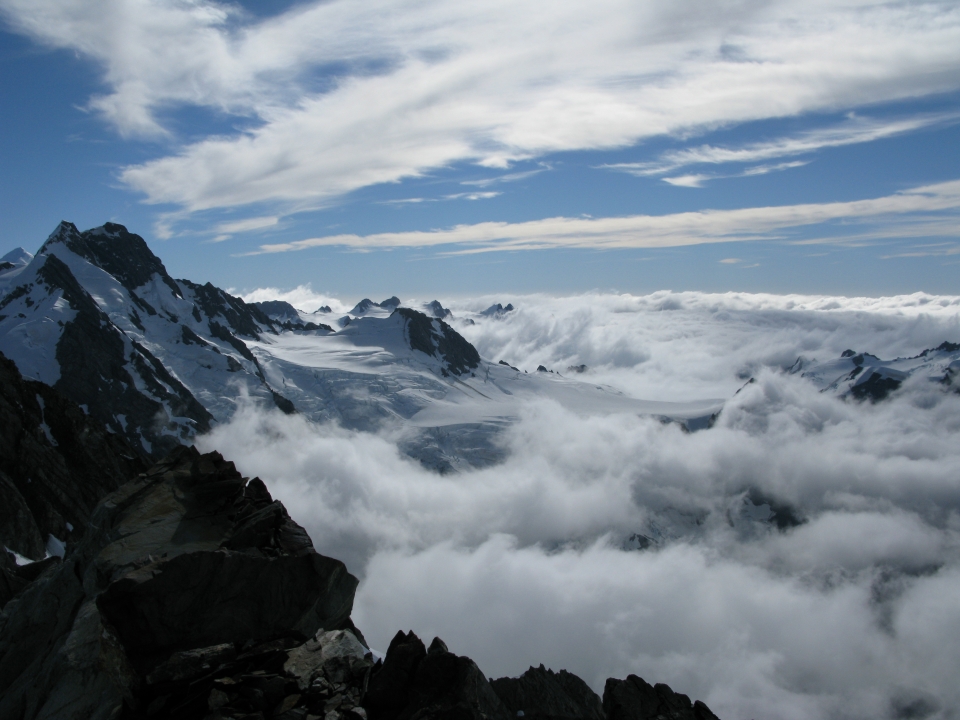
{"x":56,"y":463}
{"x":636,"y":699}
{"x":542,"y":694}
{"x":184,"y":569}
{"x":415,"y":684}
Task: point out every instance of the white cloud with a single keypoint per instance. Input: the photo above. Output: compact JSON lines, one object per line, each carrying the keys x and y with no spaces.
{"x":690,"y":181}
{"x":473,"y":195}
{"x":855,"y":130}
{"x":851,"y":614}
{"x":340,"y":96}
{"x":898,"y":213}
{"x":247,"y":225}
{"x":765,"y":169}
{"x":509,"y":177}
{"x":302,"y":297}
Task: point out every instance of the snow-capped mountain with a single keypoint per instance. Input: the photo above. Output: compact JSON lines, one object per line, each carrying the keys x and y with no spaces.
{"x":14,"y":260}
{"x":96,"y":315}
{"x":863,"y":376}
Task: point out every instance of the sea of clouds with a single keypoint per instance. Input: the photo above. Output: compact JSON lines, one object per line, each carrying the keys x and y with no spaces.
{"x":853,"y":613}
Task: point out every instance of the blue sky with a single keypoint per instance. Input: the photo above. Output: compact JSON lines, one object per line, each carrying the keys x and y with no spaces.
{"x":445,"y":149}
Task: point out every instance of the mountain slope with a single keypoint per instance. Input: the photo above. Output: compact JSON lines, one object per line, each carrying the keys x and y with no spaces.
{"x":863,"y":376}
{"x":159,"y":360}
{"x":96,"y":315}
{"x":55,"y":465}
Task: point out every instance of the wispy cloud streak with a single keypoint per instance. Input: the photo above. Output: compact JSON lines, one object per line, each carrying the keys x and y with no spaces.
{"x":855,"y":130}
{"x":657,"y":231}
{"x":338,"y":95}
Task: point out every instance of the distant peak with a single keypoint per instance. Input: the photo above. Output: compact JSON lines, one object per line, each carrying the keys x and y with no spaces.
{"x":437,"y":310}
{"x":366,"y":305}
{"x":497,"y":310}
{"x":17,"y":257}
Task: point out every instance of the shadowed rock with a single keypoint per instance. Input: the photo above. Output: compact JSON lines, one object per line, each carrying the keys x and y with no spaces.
{"x":184,"y":570}
{"x":435,"y":683}
{"x":435,"y":338}
{"x":56,"y":463}
{"x":635,"y":699}
{"x":542,"y":694}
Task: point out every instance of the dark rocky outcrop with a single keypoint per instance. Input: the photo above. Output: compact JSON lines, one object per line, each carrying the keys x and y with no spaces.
{"x":188,"y":576}
{"x":366,"y":305}
{"x":497,"y":310}
{"x":112,"y":247}
{"x":193,"y":594}
{"x":542,"y":694}
{"x":285,"y":316}
{"x":278,"y":310}
{"x":875,"y":388}
{"x":56,"y":463}
{"x":437,"y":310}
{"x":418,"y":683}
{"x":242,"y":318}
{"x":636,"y":699}
{"x":435,"y":338}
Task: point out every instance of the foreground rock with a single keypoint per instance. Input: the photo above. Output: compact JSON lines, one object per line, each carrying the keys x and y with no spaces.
{"x":193,"y":594}
{"x":188,"y":575}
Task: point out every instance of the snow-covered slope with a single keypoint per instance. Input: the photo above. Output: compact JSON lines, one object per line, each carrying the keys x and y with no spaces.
{"x":866,"y":377}
{"x":96,"y":315}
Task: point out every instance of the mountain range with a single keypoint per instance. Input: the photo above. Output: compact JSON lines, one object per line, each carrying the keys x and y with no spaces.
{"x":112,"y":368}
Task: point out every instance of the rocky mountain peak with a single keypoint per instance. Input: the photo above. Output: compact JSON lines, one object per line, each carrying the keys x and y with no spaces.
{"x":111,"y":247}
{"x":434,"y":337}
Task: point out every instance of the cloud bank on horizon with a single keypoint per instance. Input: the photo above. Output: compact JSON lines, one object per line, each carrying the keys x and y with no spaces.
{"x":850,"y":613}
{"x":328,"y":98}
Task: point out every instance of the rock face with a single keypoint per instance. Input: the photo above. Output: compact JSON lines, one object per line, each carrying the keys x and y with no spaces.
{"x":435,"y":338}
{"x":635,"y":699}
{"x":96,"y":315}
{"x":542,"y":694}
{"x":56,"y":463}
{"x":186,"y":574}
{"x":418,"y":683}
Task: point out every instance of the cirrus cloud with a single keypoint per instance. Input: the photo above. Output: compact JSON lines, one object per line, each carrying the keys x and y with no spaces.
{"x":338,"y":96}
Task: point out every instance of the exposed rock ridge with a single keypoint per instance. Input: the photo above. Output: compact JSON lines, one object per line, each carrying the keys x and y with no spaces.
{"x":93,"y":358}
{"x":116,"y":250}
{"x":542,"y":694}
{"x":636,"y":699}
{"x":187,"y":556}
{"x":97,"y":315}
{"x":435,"y":338}
{"x":415,"y":682}
{"x":56,"y":463}
{"x":194,"y":595}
